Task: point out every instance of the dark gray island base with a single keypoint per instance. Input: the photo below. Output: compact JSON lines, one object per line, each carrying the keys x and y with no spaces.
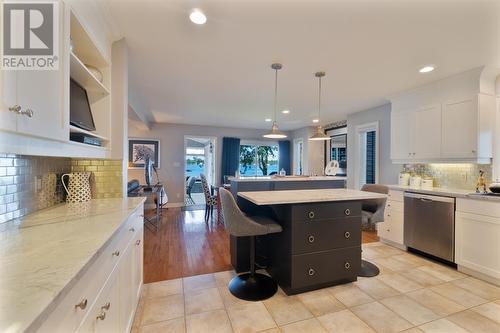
{"x":320,"y":245}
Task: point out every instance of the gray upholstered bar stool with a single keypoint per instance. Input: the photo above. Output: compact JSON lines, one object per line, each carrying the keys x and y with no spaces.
{"x":372,"y":212}
{"x":248,"y":286}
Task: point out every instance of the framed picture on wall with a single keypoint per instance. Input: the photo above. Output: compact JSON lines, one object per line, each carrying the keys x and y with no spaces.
{"x":138,"y":149}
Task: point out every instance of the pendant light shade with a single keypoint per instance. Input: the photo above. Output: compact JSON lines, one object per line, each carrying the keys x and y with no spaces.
{"x":275,"y":132}
{"x":320,"y":133}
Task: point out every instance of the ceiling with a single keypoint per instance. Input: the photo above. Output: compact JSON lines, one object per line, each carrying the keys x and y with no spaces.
{"x":219,"y":73}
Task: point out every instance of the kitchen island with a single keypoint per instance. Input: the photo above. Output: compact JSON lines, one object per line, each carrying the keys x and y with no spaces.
{"x":320,"y":244}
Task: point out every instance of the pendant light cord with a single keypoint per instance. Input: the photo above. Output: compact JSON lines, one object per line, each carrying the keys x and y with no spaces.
{"x":319,"y":100}
{"x":275,"y":92}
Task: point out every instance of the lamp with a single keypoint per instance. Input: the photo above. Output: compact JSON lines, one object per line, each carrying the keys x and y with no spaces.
{"x":275,"y":132}
{"x":320,"y":134}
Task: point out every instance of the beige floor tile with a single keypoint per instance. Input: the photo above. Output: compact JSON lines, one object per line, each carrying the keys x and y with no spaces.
{"x":344,"y":322}
{"x":164,"y":288}
{"x":376,"y":288}
{"x":441,"y":272}
{"x":422,"y":277}
{"x":386,"y":250}
{"x":272,"y":330}
{"x":371,"y":253}
{"x":474,"y":322}
{"x":440,"y":305}
{"x":393,"y":264}
{"x":215,"y":321}
{"x":309,"y":326}
{"x":399,"y":282}
{"x":203,"y":300}
{"x":442,"y":326}
{"x":351,"y":296}
{"x":458,"y":295}
{"x":171,"y":326}
{"x":489,"y":310}
{"x":286,"y":309}
{"x":162,"y":308}
{"x":410,"y":310}
{"x":229,"y":299}
{"x":411,"y":259}
{"x":250,"y":317}
{"x":198,"y":282}
{"x":320,"y":302}
{"x":479,"y":288}
{"x":413,"y":330}
{"x":222,"y":278}
{"x":381,"y":318}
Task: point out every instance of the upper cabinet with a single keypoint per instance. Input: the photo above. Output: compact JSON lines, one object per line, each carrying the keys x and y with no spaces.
{"x":446,"y":121}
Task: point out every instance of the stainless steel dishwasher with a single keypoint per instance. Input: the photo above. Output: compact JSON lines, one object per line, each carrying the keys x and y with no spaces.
{"x":429,"y":224}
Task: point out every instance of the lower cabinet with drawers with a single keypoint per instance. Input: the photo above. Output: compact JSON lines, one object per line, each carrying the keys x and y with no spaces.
{"x":392,"y":229}
{"x":105,"y":297}
{"x":320,"y":245}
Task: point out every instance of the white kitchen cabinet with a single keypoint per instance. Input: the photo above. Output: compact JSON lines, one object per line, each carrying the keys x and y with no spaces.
{"x":392,"y":229}
{"x":8,"y":119}
{"x":477,"y":231}
{"x":400,"y":135}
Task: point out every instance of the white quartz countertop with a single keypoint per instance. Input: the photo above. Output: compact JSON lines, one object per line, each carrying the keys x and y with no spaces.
{"x":285,"y":178}
{"x":447,"y":192}
{"x":307,"y":196}
{"x":42,"y":255}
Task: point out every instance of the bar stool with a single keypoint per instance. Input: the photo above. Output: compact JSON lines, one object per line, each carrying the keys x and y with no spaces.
{"x":248,"y":286}
{"x":372,"y":212}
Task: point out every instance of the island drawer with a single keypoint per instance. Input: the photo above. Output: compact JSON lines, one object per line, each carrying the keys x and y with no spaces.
{"x":322,"y":235}
{"x":327,"y":267}
{"x":325,"y":210}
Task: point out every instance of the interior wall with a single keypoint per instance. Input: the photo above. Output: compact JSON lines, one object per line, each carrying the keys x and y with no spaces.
{"x":314,"y":151}
{"x":171,"y":137}
{"x":388,"y":172}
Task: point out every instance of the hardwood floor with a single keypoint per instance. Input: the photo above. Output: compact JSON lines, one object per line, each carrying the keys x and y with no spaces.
{"x":185,"y":245}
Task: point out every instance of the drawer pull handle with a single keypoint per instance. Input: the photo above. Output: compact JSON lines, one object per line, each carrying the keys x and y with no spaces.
{"x":131,"y":229}
{"x":106,"y":306}
{"x":311,"y":239}
{"x":347,"y":234}
{"x":101,"y":316}
{"x":347,"y":265}
{"x":116,"y":253}
{"x":138,"y":242}
{"x":82,"y":305}
{"x":347,"y":212}
{"x":311,"y":272}
{"x":311,"y":214}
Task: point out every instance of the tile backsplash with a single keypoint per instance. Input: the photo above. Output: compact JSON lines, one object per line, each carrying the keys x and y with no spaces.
{"x":458,"y":176}
{"x":31,"y":183}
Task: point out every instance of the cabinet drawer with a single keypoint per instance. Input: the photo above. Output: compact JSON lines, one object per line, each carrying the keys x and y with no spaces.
{"x":395,"y":205}
{"x":395,"y":195}
{"x":322,"y":235}
{"x":326,"y":210}
{"x":325,"y":267}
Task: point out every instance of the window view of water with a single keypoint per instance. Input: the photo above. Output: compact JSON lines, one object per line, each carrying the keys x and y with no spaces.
{"x":258,"y":160}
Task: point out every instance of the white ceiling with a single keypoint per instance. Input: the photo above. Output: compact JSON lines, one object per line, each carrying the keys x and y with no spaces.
{"x":219,"y":73}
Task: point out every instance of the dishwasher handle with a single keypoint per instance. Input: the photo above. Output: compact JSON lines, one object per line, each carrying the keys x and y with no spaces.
{"x":429,"y":198}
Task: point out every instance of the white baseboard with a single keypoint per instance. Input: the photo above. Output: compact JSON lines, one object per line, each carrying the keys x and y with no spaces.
{"x":478,"y":275}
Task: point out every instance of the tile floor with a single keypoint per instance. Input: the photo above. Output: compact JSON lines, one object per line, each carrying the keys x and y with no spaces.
{"x":410,"y":295}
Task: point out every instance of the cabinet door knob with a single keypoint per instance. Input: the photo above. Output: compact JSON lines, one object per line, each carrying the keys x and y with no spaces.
{"x":16,"y":108}
{"x":311,"y":214}
{"x":347,"y":212}
{"x":347,"y":234}
{"x":101,"y":316}
{"x":311,"y":272}
{"x":116,"y":253}
{"x":82,"y":305}
{"x":106,"y":306}
{"x":347,"y":265}
{"x":311,"y":239}
{"x":138,"y":242}
{"x":131,"y":229}
{"x":28,"y":112}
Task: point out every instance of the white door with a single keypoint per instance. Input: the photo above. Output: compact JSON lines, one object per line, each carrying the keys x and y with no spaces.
{"x":401,"y":136}
{"x":460,"y":123}
{"x":8,"y":99}
{"x":298,"y":157}
{"x":367,"y":149}
{"x":427,"y":132}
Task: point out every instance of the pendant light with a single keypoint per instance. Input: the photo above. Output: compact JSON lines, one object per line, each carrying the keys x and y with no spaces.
{"x":275,"y":132}
{"x":320,"y":134}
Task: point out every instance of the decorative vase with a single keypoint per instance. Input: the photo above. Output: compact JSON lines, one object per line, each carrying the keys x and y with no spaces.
{"x":148,"y":168}
{"x":78,"y":188}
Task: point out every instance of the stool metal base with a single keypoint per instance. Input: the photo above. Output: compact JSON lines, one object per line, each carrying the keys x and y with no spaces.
{"x":255,"y":287}
{"x":368,"y":269}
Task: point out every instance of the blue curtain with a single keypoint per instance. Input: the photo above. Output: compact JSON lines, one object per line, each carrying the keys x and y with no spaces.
{"x":230,"y":157}
{"x":284,"y":158}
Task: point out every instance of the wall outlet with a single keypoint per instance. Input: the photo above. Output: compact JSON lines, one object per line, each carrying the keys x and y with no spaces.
{"x":178,"y":195}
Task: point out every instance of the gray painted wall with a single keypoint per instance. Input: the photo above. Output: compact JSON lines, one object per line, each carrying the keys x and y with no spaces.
{"x":314,"y":151}
{"x":171,"y":137}
{"x":388,"y":172}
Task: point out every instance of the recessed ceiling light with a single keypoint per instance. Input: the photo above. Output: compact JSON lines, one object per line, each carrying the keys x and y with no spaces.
{"x":268,"y":120}
{"x":315,"y":120}
{"x":426,"y":69}
{"x":197,"y":17}
{"x":285,"y":111}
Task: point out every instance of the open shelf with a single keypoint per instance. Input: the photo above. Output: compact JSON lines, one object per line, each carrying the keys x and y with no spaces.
{"x":83,"y":45}
{"x":80,"y":73}
{"x":74,"y":129}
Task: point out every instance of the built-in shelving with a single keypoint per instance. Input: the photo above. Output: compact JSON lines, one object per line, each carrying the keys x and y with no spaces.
{"x":81,"y":74}
{"x":74,"y":129}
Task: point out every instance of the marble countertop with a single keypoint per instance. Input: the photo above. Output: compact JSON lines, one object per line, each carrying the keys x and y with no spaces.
{"x":43,"y":254}
{"x":307,"y":196}
{"x":284,"y":179}
{"x":447,"y":192}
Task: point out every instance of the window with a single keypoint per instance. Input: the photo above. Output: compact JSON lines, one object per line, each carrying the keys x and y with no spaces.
{"x":258,"y":160}
{"x":298,"y":154}
{"x":195,"y":161}
{"x":367,"y":146}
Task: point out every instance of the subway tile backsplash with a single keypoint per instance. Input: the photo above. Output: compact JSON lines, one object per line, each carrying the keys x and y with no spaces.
{"x":31,"y":183}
